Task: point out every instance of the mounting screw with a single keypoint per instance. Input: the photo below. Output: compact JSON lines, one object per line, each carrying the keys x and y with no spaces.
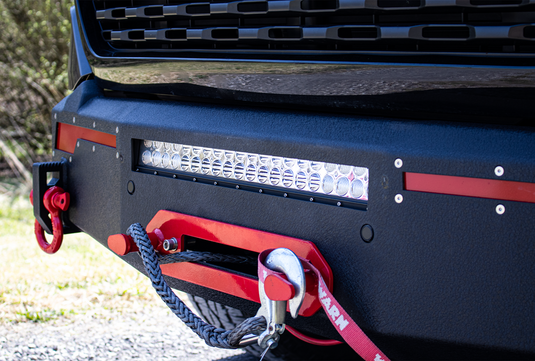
{"x":285,"y":195}
{"x":195,"y":179}
{"x":78,"y":144}
{"x":70,"y":159}
{"x":499,"y":171}
{"x":74,"y":119}
{"x":170,"y":244}
{"x":55,"y":115}
{"x":398,"y":198}
{"x":94,"y":124}
{"x":215,"y":183}
{"x":53,"y":153}
{"x":116,"y":129}
{"x":117,"y":155}
{"x":260,"y":191}
{"x":174,"y":175}
{"x":398,"y":163}
{"x":155,"y":173}
{"x":312,"y":199}
{"x":237,"y":187}
{"x":500,"y":209}
{"x":94,"y":148}
{"x":339,"y":204}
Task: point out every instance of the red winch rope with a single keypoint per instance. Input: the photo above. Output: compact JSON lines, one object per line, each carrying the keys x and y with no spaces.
{"x":344,"y":324}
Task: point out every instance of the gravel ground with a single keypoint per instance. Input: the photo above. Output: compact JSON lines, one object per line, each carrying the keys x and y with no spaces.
{"x":154,"y":335}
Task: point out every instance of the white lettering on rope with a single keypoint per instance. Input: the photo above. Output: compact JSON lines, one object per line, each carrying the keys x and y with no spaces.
{"x":333,"y":311}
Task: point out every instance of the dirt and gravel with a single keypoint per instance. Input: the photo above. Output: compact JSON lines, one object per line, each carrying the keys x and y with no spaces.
{"x":152,"y":335}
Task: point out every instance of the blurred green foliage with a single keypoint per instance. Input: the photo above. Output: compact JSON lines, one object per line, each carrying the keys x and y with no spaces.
{"x":34,"y":49}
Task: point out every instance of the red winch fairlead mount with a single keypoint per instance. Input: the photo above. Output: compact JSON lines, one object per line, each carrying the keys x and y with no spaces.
{"x":50,"y":201}
{"x":168,"y":225}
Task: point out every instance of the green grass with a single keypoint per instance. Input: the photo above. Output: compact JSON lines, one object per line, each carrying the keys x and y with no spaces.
{"x":83,"y":277}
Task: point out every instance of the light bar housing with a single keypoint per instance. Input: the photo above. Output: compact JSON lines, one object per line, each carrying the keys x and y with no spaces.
{"x":337,"y":184}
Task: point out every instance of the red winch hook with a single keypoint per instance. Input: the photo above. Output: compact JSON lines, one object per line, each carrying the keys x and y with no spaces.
{"x":55,"y":200}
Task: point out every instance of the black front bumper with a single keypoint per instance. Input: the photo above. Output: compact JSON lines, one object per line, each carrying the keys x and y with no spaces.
{"x":443,"y":275}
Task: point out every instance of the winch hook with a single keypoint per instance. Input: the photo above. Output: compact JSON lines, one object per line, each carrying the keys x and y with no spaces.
{"x":55,"y":200}
{"x":281,"y":283}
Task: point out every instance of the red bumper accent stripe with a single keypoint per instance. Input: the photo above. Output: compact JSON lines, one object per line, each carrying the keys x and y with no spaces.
{"x":68,"y":135}
{"x":471,"y":187}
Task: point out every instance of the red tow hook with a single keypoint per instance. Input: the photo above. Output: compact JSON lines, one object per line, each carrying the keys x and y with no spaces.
{"x":55,"y":200}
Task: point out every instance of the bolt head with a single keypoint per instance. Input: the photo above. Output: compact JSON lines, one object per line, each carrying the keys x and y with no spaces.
{"x":398,"y":198}
{"x":499,"y":171}
{"x":500,"y":209}
{"x":398,"y":163}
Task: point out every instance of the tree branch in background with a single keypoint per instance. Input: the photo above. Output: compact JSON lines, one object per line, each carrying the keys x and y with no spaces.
{"x":33,"y":78}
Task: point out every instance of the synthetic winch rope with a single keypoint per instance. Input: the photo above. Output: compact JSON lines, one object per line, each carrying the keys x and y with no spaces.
{"x":213,"y":336}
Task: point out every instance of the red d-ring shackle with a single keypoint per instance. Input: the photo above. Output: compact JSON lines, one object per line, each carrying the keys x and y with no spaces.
{"x":55,"y":200}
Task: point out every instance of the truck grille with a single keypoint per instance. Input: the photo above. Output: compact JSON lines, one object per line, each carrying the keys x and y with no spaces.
{"x":313,"y":28}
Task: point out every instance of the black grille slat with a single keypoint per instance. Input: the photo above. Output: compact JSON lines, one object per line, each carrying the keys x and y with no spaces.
{"x":328,"y":26}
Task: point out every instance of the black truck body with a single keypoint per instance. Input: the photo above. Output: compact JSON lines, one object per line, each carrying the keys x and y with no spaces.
{"x":403,"y":89}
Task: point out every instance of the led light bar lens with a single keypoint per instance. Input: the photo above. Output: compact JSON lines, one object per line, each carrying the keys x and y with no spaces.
{"x":339,"y":180}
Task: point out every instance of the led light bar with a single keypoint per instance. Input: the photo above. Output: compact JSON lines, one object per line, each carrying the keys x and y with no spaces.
{"x":342,"y":181}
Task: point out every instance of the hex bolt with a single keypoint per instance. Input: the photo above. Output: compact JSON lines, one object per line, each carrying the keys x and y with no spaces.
{"x":499,"y":171}
{"x":398,"y":163}
{"x":500,"y":209}
{"x":398,"y":198}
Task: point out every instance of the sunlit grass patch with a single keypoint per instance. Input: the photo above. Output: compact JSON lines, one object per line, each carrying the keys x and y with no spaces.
{"x":83,"y":277}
